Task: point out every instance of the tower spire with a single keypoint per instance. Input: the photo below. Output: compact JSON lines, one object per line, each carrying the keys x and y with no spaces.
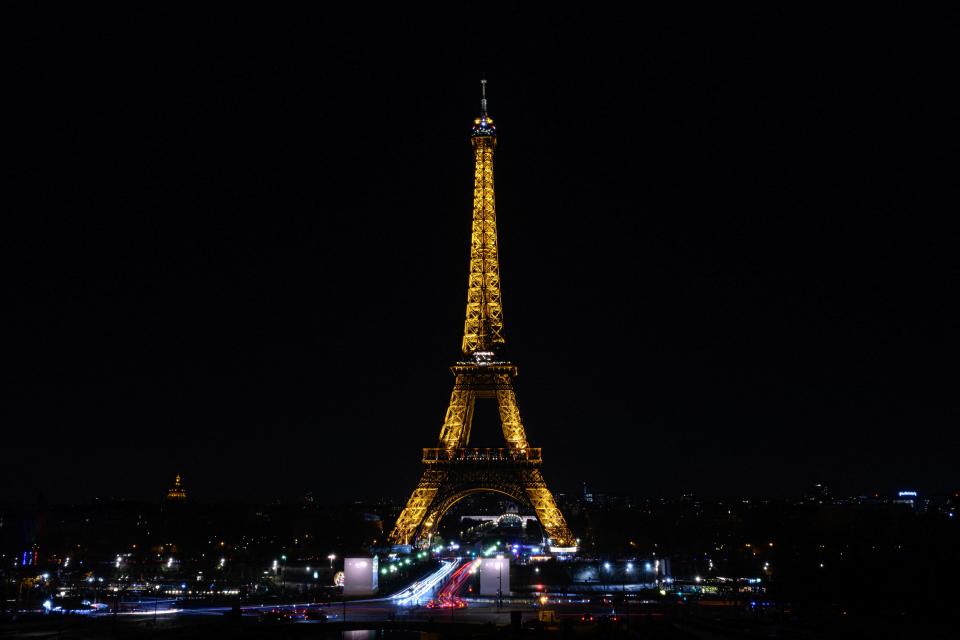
{"x":483,"y":98}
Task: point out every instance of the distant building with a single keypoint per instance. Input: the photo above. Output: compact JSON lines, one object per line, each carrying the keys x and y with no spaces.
{"x":819,"y":494}
{"x":177,"y":493}
{"x":907,"y":497}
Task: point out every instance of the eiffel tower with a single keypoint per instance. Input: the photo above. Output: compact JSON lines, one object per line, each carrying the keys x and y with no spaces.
{"x":452,"y":470}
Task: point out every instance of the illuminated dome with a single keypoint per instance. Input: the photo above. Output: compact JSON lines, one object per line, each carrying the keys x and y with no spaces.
{"x":510,"y":520}
{"x":177,"y":492}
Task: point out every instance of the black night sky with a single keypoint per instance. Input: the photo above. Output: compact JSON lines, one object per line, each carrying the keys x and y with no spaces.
{"x":237,"y":245}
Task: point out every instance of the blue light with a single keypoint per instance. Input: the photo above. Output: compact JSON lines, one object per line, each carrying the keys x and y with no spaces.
{"x":907,"y":494}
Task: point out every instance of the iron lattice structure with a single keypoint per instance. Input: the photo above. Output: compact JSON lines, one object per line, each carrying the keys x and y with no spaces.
{"x":453,"y":470}
{"x":483,"y":328}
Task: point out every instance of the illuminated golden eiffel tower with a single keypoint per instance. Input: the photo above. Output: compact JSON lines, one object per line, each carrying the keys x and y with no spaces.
{"x":452,"y":469}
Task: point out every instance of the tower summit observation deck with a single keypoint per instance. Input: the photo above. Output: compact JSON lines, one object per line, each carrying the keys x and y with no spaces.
{"x":453,"y":470}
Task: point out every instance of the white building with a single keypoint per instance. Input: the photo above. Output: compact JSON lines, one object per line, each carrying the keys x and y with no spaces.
{"x":360,"y":576}
{"x":495,"y":577}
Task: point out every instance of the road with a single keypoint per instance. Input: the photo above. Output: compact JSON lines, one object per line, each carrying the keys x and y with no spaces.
{"x":405,"y":606}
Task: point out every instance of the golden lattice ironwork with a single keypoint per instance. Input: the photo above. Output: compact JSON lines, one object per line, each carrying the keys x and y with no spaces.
{"x":483,"y":328}
{"x":453,"y":470}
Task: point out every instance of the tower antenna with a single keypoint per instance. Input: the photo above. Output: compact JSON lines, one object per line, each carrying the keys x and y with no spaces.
{"x":483,"y":98}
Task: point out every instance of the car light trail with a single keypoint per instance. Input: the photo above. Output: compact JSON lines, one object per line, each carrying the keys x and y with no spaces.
{"x":446,"y":597}
{"x":421,"y":588}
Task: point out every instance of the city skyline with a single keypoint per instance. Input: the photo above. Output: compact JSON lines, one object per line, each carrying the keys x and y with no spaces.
{"x":725,"y":272}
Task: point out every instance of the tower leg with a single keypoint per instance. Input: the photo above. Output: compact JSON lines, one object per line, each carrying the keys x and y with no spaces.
{"x":418,"y":506}
{"x":513,"y":430}
{"x":546,"y":508}
{"x":456,"y":423}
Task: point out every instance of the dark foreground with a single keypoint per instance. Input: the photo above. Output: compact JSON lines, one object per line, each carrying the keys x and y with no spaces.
{"x":682,"y":623}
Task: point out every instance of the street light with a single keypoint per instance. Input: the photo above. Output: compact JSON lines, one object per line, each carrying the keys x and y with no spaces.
{"x":499,"y":582}
{"x":331,"y":558}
